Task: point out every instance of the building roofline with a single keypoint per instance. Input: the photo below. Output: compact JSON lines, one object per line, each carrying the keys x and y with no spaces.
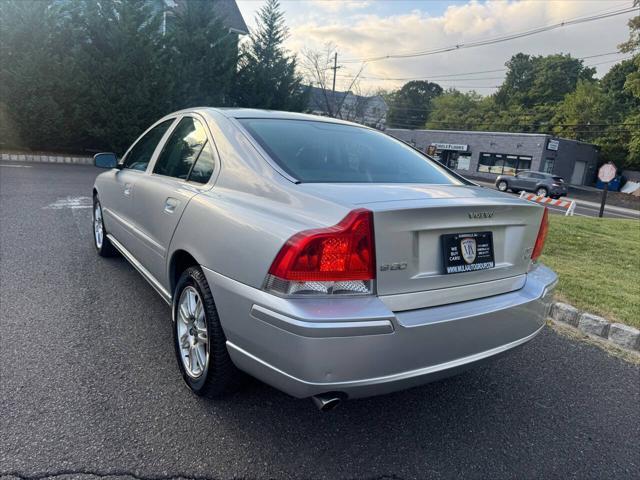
{"x":482,"y":132}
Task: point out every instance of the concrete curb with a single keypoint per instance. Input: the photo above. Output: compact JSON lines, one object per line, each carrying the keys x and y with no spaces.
{"x":45,"y":158}
{"x":618,"y":334}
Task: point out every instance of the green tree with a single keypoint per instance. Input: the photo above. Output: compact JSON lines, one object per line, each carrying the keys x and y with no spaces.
{"x":200,"y":56}
{"x":122,"y":86}
{"x":267,"y":76}
{"x":535,"y":80}
{"x":455,"y":110}
{"x":30,"y":74}
{"x":583,"y":113}
{"x":409,"y":106}
{"x":621,"y":99}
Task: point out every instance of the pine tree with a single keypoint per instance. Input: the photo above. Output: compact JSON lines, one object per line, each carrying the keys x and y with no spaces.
{"x":267,"y":76}
{"x":122,"y":86}
{"x":29,"y":75}
{"x":201,"y":56}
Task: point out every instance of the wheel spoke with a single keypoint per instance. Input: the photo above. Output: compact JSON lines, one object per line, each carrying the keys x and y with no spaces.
{"x":192,"y":360}
{"x":184,"y":313}
{"x":199,"y":311}
{"x":200,"y":356}
{"x":184,"y":340}
{"x":191,"y":301}
{"x":202,"y":335}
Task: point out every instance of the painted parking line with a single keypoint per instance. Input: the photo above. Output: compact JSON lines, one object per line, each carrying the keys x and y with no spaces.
{"x":71,"y":203}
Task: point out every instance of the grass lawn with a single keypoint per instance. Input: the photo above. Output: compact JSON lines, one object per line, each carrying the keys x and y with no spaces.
{"x":598,"y":262}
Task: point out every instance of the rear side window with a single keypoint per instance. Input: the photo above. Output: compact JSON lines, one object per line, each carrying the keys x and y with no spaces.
{"x":312,"y":151}
{"x":182,"y":149}
{"x":139,"y":156}
{"x":202,"y":170}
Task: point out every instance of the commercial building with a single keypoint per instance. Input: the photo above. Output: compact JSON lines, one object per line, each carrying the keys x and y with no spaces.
{"x":489,"y":154}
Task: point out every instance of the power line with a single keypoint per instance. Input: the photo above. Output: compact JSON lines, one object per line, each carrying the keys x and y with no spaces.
{"x":444,"y":77}
{"x":500,"y":39}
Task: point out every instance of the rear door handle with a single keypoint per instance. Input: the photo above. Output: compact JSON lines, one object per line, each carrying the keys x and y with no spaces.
{"x":127,"y":189}
{"x":170,"y":205}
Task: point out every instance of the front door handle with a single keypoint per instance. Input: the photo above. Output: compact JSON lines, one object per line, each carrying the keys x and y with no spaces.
{"x":170,"y":205}
{"x":127,"y":189}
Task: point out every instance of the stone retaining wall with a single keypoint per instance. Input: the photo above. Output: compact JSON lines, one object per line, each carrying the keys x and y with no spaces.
{"x":617,"y":333}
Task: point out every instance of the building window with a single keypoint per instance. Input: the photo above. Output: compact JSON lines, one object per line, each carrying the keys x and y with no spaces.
{"x":501,"y":163}
{"x":548,"y":165}
{"x":524,"y":163}
{"x":464,"y":160}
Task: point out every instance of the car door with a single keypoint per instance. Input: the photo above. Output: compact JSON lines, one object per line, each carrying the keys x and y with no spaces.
{"x":519,"y":180}
{"x":117,"y":195}
{"x":182,"y":169}
{"x":537,"y":180}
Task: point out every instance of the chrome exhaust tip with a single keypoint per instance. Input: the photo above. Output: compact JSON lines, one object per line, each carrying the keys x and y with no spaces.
{"x":327,"y":401}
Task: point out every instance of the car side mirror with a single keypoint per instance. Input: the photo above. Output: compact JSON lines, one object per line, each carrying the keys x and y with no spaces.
{"x":105,"y":160}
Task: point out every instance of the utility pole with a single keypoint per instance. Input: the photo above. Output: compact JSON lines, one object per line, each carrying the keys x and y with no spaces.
{"x":335,"y":69}
{"x":333,"y":94}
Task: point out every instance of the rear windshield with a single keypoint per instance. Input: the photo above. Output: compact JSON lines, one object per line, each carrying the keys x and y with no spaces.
{"x":313,"y":151}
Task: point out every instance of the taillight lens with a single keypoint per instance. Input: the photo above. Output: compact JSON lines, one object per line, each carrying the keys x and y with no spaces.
{"x":542,"y":235}
{"x":337,"y":259}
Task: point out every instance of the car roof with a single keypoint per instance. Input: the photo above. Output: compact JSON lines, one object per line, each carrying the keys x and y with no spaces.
{"x":231,"y":112}
{"x":540,"y":173}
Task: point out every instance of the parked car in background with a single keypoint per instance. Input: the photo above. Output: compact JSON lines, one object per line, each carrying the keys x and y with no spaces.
{"x":325,"y":258}
{"x":542,"y":184}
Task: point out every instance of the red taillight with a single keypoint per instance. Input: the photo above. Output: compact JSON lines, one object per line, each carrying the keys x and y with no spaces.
{"x":342,"y":252}
{"x":542,"y":235}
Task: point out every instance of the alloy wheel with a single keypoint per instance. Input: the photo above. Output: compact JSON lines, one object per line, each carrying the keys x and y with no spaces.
{"x":98,"y":230}
{"x":191,"y":324}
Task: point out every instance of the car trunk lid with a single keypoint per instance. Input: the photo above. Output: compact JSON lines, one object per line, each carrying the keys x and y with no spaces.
{"x":409,"y":222}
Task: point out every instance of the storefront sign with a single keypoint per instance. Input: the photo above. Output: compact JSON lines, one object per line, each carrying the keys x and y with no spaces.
{"x":553,"y":145}
{"x":451,"y":146}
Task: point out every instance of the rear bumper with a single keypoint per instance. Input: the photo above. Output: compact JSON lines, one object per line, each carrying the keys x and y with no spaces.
{"x":357,"y":346}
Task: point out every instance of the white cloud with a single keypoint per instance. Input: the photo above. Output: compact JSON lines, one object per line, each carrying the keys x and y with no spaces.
{"x":338,"y":5}
{"x":361,"y":35}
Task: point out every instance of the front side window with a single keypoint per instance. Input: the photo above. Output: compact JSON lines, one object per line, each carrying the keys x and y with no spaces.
{"x":314,"y":152}
{"x":140,"y":155}
{"x":182,"y":149}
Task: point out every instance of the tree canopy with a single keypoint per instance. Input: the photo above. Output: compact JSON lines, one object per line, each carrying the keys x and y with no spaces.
{"x":409,"y":106}
{"x":89,"y":75}
{"x":267,"y":76}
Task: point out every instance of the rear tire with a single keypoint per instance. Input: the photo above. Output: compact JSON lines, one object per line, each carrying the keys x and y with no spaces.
{"x":542,"y":192}
{"x":503,"y":186}
{"x":199,"y":341}
{"x":100,"y":239}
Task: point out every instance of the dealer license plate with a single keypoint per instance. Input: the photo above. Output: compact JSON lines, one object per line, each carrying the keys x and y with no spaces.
{"x":468,"y":252}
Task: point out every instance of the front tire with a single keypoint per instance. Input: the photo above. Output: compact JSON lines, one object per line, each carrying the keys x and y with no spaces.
{"x":100,"y":240}
{"x":503,"y":186}
{"x":198,"y":338}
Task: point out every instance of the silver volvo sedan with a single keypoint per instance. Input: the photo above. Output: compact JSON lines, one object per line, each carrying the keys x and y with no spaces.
{"x":325,"y":258}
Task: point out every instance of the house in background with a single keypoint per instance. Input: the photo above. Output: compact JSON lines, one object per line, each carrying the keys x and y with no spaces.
{"x":226,"y":10}
{"x":366,"y":110}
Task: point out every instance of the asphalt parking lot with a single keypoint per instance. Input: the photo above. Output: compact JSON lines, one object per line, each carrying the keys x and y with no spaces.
{"x":89,"y":385}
